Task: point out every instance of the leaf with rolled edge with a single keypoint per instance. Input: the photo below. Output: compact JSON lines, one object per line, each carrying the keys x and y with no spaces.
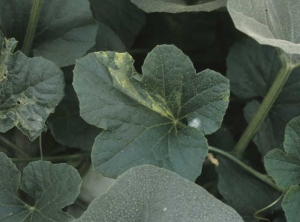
{"x":143,"y":115}
{"x":291,"y":203}
{"x":52,"y":186}
{"x":30,"y":89}
{"x":284,"y":167}
{"x":155,"y":194}
{"x":179,"y":6}
{"x":252,"y":68}
{"x":66,"y":125}
{"x":270,"y":22}
{"x":65,"y":30}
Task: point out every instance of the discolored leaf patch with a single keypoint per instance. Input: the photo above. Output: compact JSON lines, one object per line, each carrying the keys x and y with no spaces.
{"x":144,"y":116}
{"x":30,"y":89}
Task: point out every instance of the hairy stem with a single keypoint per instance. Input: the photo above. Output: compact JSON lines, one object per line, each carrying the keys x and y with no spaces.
{"x":31,"y":28}
{"x":265,"y":107}
{"x":13,"y":146}
{"x":52,"y":158}
{"x":258,"y":175}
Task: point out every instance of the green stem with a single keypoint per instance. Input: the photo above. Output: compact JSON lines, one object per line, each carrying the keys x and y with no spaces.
{"x":256,"y":214}
{"x":31,"y":28}
{"x":52,"y":158}
{"x":258,"y":175}
{"x":265,"y":107}
{"x":13,"y":146}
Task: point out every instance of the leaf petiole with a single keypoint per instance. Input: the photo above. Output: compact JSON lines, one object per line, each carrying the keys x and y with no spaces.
{"x":265,"y":106}
{"x":13,"y":146}
{"x":31,"y":28}
{"x":258,"y":175}
{"x":52,"y":158}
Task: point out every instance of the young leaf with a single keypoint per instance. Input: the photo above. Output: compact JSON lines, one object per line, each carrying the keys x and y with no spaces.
{"x":66,"y":125}
{"x":121,"y":16}
{"x":291,"y":203}
{"x":154,"y":194}
{"x":269,"y":22}
{"x":284,"y":167}
{"x":30,"y":89}
{"x":51,"y":186}
{"x":143,"y":116}
{"x":179,"y":6}
{"x":65,"y":31}
{"x":245,"y":193}
{"x":252,"y":69}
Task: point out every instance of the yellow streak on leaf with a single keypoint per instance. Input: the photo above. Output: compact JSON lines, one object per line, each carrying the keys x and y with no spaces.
{"x":121,"y":70}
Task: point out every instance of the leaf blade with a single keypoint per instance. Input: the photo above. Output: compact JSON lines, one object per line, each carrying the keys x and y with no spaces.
{"x":150,"y":196}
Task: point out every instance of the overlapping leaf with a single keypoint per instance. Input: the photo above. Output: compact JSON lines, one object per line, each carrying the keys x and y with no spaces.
{"x":30,"y":89}
{"x":245,"y":193}
{"x":65,"y":31}
{"x":122,"y":17}
{"x":149,"y":196}
{"x":179,"y":6}
{"x":51,"y":186}
{"x":66,"y":125}
{"x":143,"y":116}
{"x":252,"y":68}
{"x":284,"y":167}
{"x":270,"y":22}
{"x":197,"y":34}
{"x":291,"y":203}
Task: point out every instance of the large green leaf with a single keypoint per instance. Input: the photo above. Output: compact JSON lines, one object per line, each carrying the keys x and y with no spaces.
{"x":245,"y":193}
{"x":252,"y":69}
{"x":143,"y":116}
{"x":65,"y":31}
{"x":121,"y":16}
{"x":30,"y":89}
{"x":178,"y":6}
{"x":66,"y":125}
{"x":270,"y":22}
{"x":51,"y":186}
{"x":291,"y":203}
{"x":148,"y":193}
{"x":107,"y":40}
{"x":284,"y":167}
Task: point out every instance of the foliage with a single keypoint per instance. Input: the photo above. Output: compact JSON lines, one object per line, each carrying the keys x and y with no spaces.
{"x":185,"y":103}
{"x":153,"y":190}
{"x":113,"y":96}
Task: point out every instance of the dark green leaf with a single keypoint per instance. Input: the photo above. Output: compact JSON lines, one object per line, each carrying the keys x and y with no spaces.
{"x":66,"y":125}
{"x":284,"y":167}
{"x":143,"y":115}
{"x":242,"y":191}
{"x":222,"y":139}
{"x":107,"y":40}
{"x":291,"y":203}
{"x":30,"y":89}
{"x":121,"y":16}
{"x":148,"y":193}
{"x":269,"y":22}
{"x":51,"y":186}
{"x":178,"y":6}
{"x":197,"y":34}
{"x":65,"y":31}
{"x":252,"y":69}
